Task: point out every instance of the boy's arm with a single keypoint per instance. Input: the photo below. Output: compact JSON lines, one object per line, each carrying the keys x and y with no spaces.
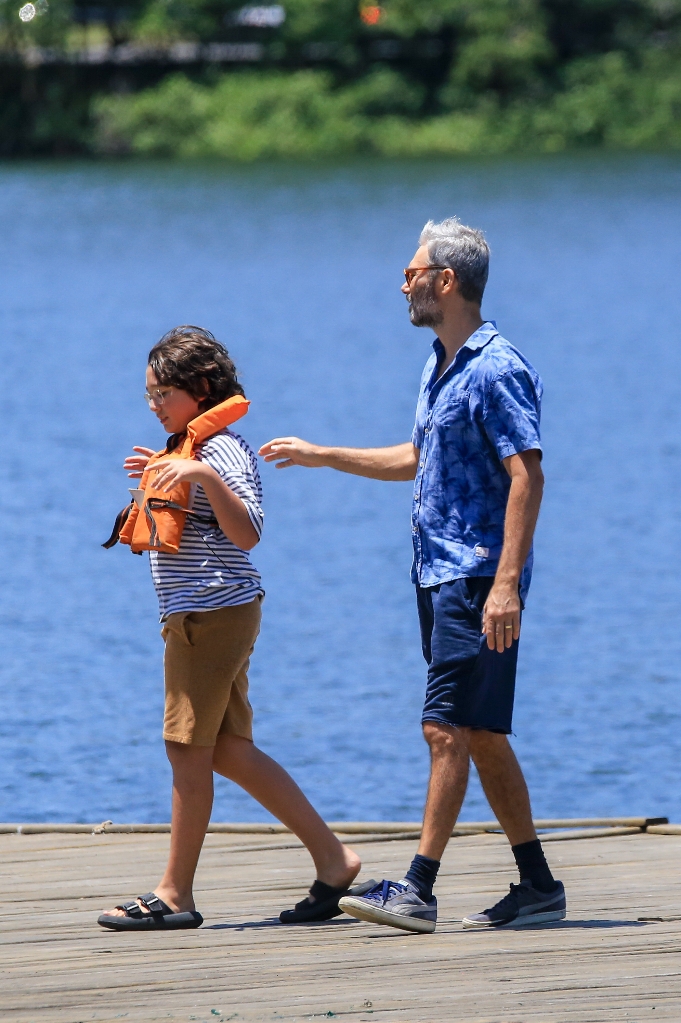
{"x":230,"y":510}
{"x":394,"y":463}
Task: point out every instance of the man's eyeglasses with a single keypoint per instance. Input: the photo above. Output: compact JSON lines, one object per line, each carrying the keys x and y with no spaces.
{"x":157,"y":397}
{"x":411,"y":271}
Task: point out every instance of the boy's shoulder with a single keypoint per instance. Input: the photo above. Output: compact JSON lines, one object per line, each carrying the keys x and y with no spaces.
{"x":226,"y":444}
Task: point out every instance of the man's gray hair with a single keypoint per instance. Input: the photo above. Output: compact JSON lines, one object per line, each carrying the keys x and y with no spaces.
{"x":463,"y":249}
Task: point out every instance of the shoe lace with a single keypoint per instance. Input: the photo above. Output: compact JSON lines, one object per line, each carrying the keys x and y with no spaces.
{"x":385,"y":890}
{"x":509,"y":901}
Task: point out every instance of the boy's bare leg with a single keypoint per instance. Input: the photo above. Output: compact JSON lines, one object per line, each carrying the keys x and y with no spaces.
{"x":263,"y":778}
{"x":192,"y":803}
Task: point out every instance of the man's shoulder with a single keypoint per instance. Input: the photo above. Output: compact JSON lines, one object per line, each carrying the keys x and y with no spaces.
{"x":500,"y":358}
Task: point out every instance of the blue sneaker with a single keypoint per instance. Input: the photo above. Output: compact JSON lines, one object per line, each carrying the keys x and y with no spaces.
{"x":523,"y":906}
{"x":396,"y":903}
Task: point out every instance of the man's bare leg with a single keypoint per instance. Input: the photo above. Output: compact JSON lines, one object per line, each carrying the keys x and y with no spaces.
{"x":500,"y":775}
{"x":449,"y":767}
{"x":263,"y":778}
{"x":503,"y":784}
{"x":192,"y":804}
{"x":539,"y":898}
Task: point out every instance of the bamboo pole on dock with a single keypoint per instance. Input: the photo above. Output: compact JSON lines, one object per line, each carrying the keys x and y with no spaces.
{"x":557,"y":828}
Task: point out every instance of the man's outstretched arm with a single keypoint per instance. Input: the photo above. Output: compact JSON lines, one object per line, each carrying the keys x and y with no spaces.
{"x":394,"y":463}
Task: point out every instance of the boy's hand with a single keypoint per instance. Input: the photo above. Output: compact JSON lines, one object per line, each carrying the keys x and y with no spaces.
{"x":286,"y":451}
{"x":135,"y":465}
{"x":167,"y":473}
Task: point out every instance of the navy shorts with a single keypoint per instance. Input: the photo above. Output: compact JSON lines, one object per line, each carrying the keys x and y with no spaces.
{"x":469,"y":685}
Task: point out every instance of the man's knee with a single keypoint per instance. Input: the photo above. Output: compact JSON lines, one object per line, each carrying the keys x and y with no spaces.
{"x":482,"y":738}
{"x":488,"y":746}
{"x":446,"y":740}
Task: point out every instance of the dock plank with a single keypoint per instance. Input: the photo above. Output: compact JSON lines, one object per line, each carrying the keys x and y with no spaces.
{"x":604,"y":963}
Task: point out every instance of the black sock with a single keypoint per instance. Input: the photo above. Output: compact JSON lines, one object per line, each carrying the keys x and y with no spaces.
{"x":532,"y":866}
{"x":422,"y":874}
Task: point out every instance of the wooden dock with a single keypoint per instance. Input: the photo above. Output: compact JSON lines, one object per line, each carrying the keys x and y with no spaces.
{"x":616,"y":958}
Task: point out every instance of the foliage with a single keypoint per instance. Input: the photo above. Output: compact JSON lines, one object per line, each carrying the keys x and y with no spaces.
{"x":465,"y":76}
{"x":605,"y":101}
{"x":253,"y":115}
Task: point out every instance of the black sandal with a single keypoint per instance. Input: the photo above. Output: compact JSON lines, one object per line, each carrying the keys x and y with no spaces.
{"x":160,"y":916}
{"x":325,"y":905}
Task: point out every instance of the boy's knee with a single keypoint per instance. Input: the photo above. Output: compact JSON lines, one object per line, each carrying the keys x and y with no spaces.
{"x":230,"y":753}
{"x":183,"y":753}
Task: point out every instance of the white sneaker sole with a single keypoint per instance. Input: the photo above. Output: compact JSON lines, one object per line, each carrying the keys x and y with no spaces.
{"x":375,"y":915}
{"x":520,"y":921}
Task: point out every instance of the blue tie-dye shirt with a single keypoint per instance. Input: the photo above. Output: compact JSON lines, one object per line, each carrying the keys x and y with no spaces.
{"x":485,"y":407}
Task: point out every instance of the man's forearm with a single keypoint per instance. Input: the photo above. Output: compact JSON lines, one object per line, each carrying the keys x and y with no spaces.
{"x":501,"y":614}
{"x":394,"y":463}
{"x":522,"y":511}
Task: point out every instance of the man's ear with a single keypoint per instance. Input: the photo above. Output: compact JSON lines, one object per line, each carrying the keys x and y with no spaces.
{"x":449,"y":280}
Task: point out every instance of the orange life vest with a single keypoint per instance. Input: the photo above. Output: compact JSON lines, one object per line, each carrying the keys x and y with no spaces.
{"x":156,"y":523}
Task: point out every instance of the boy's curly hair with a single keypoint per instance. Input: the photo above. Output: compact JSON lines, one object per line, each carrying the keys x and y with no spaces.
{"x":191,"y":359}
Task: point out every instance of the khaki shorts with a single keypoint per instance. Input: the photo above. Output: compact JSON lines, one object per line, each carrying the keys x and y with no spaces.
{"x":206,"y":673}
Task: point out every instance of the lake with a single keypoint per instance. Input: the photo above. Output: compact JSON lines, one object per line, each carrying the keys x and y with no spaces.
{"x":297,"y":270}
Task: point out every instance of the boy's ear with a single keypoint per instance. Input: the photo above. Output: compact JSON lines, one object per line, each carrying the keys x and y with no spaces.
{"x":205,"y":386}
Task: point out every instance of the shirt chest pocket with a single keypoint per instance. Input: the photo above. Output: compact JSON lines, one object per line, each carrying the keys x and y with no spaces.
{"x":452,"y":416}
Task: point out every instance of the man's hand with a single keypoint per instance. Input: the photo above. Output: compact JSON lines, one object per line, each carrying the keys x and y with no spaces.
{"x":501,"y":617}
{"x":167,"y":473}
{"x":135,"y":465}
{"x":292,"y":451}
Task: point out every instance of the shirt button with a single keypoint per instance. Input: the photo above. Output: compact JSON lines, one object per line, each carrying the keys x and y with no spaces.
{"x":420,"y":465}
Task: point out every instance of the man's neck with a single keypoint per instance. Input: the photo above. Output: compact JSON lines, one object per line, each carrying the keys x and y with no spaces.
{"x":455,"y":331}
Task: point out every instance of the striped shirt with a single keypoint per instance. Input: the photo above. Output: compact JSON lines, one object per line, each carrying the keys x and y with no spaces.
{"x":209,"y":571}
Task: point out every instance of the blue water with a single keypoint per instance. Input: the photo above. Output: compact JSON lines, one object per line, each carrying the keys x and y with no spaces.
{"x":298,"y":271}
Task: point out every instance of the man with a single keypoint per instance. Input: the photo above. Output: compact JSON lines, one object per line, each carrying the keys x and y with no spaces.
{"x":475,"y":458}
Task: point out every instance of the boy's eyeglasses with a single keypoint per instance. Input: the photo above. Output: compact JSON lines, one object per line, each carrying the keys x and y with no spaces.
{"x":411,"y":271}
{"x":158,"y":397}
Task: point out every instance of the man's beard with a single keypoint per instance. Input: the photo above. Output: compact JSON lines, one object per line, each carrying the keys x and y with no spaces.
{"x":423,"y":308}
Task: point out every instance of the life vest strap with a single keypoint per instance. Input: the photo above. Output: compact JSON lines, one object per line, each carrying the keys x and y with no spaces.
{"x":157,"y":504}
{"x":121,"y":519}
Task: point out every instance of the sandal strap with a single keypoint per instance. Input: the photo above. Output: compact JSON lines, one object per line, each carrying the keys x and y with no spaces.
{"x":132,"y":909}
{"x":320,"y":891}
{"x":155,"y":905}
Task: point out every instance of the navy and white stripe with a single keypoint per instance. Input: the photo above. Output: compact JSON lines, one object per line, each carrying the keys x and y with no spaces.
{"x":209,"y":571}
